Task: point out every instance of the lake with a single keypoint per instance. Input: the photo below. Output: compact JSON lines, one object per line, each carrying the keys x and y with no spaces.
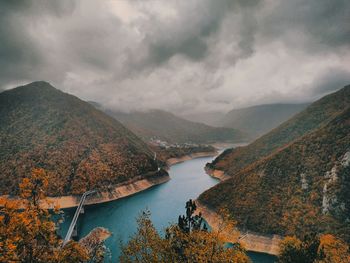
{"x":166,"y":202}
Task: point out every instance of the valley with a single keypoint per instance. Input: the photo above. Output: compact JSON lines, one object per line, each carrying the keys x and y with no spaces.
{"x":175,"y":131}
{"x":188,"y":180}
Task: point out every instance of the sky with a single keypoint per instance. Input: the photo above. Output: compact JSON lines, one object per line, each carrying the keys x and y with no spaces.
{"x":185,"y":56}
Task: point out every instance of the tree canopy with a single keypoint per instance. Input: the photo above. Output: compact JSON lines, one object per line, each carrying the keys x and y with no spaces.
{"x":180,"y":244}
{"x":27,"y":231}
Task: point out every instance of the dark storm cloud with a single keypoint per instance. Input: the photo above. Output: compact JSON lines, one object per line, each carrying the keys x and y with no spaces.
{"x":21,"y":57}
{"x":325,"y":23}
{"x":17,"y":50}
{"x":178,"y":55}
{"x":192,"y":43}
{"x":189,"y":36}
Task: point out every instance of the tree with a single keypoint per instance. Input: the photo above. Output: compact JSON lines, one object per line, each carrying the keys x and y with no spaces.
{"x":180,"y":244}
{"x":314,"y":249}
{"x":27,"y":233}
{"x":332,"y":250}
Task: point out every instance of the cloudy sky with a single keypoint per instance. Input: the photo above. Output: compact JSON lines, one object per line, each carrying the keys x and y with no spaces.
{"x":185,"y":56}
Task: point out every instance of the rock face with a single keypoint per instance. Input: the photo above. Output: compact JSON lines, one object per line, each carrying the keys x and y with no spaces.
{"x":95,"y":237}
{"x":301,"y":187}
{"x":80,"y":147}
{"x":93,"y":243}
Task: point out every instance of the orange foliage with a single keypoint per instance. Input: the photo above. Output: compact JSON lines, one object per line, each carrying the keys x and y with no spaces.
{"x":27,"y":233}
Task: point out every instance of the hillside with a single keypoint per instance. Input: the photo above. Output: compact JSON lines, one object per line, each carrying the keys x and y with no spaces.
{"x":211,"y":118}
{"x":79,"y":146}
{"x":169,"y":127}
{"x":301,"y":188}
{"x":314,"y":116}
{"x":257,"y":120}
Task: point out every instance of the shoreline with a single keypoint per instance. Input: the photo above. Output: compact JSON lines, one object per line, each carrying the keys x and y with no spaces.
{"x":176,"y":160}
{"x":127,"y":189}
{"x":255,"y":242}
{"x":218,"y":174}
{"x":118,"y":192}
{"x":122,"y":190}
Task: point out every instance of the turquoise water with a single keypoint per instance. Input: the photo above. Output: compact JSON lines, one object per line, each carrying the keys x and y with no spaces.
{"x":165,"y":202}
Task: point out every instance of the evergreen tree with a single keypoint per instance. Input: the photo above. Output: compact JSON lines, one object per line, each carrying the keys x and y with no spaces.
{"x":185,"y":242}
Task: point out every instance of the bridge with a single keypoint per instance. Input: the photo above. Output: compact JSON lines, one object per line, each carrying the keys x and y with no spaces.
{"x":80,"y":208}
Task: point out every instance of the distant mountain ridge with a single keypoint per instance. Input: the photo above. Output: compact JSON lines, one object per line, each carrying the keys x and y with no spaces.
{"x":79,"y":146}
{"x":169,"y":127}
{"x":314,"y":116}
{"x":257,"y":120}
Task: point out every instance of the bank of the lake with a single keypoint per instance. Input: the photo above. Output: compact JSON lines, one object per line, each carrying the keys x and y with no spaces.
{"x":188,"y":157}
{"x":268,"y":244}
{"x":165,"y":201}
{"x":118,"y":192}
{"x":218,"y":174}
{"x":125,"y":189}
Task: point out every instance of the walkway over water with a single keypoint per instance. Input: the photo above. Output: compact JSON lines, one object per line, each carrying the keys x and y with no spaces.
{"x":73,"y":224}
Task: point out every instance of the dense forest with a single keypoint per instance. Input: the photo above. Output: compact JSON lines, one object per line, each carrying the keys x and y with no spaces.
{"x":79,"y":146}
{"x":314,"y":116}
{"x":301,"y":188}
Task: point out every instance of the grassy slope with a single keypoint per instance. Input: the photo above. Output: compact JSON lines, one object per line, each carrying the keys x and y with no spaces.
{"x":81,"y":147}
{"x":268,"y":197}
{"x":317,"y":114}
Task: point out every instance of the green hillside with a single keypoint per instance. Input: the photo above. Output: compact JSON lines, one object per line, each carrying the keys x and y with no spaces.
{"x":301,"y":188}
{"x":81,"y":147}
{"x":169,"y":127}
{"x":314,"y":116}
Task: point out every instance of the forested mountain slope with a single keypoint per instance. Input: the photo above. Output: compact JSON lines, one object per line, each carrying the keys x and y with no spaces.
{"x":169,"y":127}
{"x":79,"y":146}
{"x":314,"y":116}
{"x":300,"y":188}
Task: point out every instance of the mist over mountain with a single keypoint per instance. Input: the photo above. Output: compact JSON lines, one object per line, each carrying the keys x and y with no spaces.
{"x":80,"y":147}
{"x":158,"y":124}
{"x":209,"y":118}
{"x":260,"y":119}
{"x":254,"y":120}
{"x":254,"y":93}
{"x":184,"y":57}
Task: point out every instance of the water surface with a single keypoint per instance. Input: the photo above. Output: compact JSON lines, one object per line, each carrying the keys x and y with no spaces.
{"x":165,"y":201}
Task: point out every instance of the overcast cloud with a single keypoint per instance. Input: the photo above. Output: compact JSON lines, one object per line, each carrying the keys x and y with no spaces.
{"x":183,"y":56}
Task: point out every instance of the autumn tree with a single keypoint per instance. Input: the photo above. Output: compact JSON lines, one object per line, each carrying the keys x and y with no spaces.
{"x":27,"y":232}
{"x":314,"y":249}
{"x":179,"y":245}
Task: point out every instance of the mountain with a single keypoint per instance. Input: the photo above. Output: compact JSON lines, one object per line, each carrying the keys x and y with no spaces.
{"x":79,"y":146}
{"x":300,"y":188}
{"x":258,"y":120}
{"x":210,"y":118}
{"x":169,"y":127}
{"x":314,"y":116}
